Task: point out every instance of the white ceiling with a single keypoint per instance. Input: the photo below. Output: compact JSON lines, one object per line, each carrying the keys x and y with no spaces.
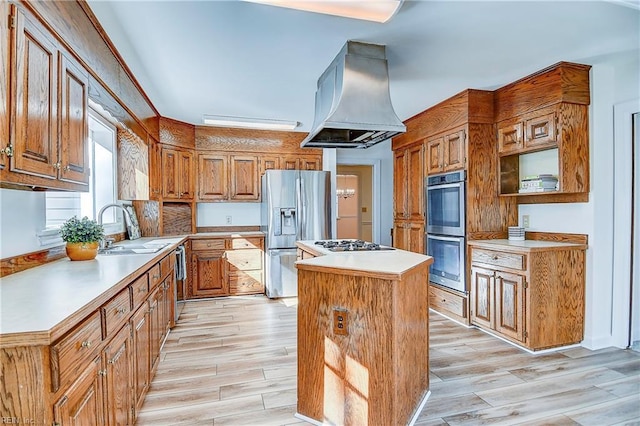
{"x":244,"y":59}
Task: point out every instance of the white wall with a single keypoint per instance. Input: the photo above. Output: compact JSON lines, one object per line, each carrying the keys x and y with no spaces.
{"x":21,"y":216}
{"x":216,"y":214}
{"x":380,"y":157}
{"x":614,"y":79}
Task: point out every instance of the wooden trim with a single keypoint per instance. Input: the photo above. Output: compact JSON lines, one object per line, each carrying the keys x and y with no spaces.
{"x":557,"y":237}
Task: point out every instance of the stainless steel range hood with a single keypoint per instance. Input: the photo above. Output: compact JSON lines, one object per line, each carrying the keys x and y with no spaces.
{"x":353,"y":106}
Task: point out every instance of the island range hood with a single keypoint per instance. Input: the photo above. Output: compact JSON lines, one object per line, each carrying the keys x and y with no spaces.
{"x":353,"y":105}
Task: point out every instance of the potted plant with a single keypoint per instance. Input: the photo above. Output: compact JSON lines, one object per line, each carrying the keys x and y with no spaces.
{"x":82,"y":237}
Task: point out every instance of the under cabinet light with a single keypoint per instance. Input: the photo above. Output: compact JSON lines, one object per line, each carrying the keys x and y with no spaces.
{"x":376,"y":11}
{"x":248,"y":123}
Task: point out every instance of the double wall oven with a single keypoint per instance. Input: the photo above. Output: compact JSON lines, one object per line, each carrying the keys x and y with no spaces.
{"x":445,"y":228}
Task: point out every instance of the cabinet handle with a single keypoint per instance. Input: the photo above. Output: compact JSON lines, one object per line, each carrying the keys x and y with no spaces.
{"x":56,"y":166}
{"x":155,"y":277}
{"x":121,"y":310}
{"x":142,"y":290}
{"x":67,"y":168}
{"x":8,"y":151}
{"x":494,"y":257}
{"x":86,"y":344}
{"x":102,"y":373}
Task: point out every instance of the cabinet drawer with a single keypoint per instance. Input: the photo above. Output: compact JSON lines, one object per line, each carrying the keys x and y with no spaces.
{"x":246,"y":243}
{"x":166,"y":265}
{"x":498,"y":258}
{"x":213,"y":244}
{"x":443,"y":301}
{"x":139,"y":291}
{"x":115,"y":312}
{"x":72,"y":353}
{"x":244,"y":260}
{"x":246,"y":282}
{"x":154,"y":276}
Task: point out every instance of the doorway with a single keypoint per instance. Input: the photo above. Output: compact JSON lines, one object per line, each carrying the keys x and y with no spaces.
{"x":354,"y":192}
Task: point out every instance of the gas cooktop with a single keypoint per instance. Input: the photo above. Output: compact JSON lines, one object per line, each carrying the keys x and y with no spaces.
{"x":351,"y":245}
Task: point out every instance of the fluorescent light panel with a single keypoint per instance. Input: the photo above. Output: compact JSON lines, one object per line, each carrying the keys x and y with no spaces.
{"x":248,"y":123}
{"x":377,"y":11}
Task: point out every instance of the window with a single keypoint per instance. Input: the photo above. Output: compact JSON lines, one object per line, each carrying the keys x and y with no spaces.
{"x":60,"y":206}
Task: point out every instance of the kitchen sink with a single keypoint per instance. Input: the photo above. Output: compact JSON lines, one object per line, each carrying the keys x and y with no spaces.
{"x":133,"y":249}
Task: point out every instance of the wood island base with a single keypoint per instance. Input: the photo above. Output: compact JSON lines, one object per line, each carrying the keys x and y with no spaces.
{"x":363,"y":343}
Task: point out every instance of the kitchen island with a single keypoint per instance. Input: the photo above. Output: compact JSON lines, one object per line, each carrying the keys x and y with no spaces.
{"x":363,"y":336}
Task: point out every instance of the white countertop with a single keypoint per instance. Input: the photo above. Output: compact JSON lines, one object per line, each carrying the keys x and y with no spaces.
{"x":39,"y":299}
{"x":524,"y":245}
{"x":381,"y":263}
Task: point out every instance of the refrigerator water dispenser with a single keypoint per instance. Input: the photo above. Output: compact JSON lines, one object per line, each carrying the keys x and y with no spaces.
{"x":285,"y":221}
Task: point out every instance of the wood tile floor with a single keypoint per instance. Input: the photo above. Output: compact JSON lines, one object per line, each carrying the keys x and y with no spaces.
{"x":232,"y":361}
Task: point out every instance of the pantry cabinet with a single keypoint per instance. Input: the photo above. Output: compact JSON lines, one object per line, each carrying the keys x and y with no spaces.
{"x":529,"y":292}
{"x":47,"y":145}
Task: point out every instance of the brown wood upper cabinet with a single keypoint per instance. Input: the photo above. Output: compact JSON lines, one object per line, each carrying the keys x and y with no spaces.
{"x":289,"y":162}
{"x":177,"y":168}
{"x":48,"y":141}
{"x":536,"y":132}
{"x":446,"y":152}
{"x":223,"y":177}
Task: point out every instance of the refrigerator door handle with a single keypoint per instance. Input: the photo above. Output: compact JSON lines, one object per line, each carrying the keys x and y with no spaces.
{"x":299,"y":208}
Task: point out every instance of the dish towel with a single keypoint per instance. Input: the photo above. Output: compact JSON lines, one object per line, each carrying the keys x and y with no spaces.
{"x":181,"y":263}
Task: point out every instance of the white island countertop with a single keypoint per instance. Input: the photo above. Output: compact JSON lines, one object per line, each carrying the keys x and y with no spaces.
{"x":386,"y":264}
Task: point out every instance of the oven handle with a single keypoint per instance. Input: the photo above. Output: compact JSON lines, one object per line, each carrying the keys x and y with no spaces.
{"x":446,"y":185}
{"x":442,"y":238}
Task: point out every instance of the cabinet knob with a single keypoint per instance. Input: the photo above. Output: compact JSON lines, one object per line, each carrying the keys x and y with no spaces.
{"x":121,"y":310}
{"x":494,"y":257}
{"x":56,"y":166}
{"x":67,"y":168}
{"x":8,"y":150}
{"x":86,"y":344}
{"x":102,"y":373}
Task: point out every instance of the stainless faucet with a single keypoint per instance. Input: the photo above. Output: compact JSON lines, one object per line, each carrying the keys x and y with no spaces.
{"x":106,"y":242}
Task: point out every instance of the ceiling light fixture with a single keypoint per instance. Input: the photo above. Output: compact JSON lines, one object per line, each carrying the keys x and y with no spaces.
{"x":248,"y":123}
{"x":377,"y":11}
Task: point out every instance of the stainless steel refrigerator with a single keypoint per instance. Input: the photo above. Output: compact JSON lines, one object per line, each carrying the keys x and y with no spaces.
{"x":296,"y":205}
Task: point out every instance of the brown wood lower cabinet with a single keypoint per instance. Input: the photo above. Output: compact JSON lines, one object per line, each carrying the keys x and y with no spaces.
{"x":530,"y":293}
{"x":449,"y":303}
{"x":409,"y":235}
{"x":226,"y":266}
{"x":99,"y":371}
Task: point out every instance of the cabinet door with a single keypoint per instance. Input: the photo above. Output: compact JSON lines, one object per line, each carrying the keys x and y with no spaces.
{"x":540,"y":131}
{"x":74,"y":121}
{"x":4,"y":83}
{"x":212,"y":181}
{"x":170,"y":174}
{"x":435,"y":155}
{"x":509,"y":313}
{"x":415,"y":183}
{"x":400,"y":185}
{"x":118,"y":381}
{"x":81,"y":404}
{"x":155,"y":325}
{"x":454,"y":151}
{"x":310,"y":163}
{"x":35,"y":136}
{"x":400,"y":235}
{"x":168,"y":287}
{"x":509,"y":137}
{"x":415,"y":237}
{"x":155,"y":169}
{"x":269,"y":163}
{"x":185,"y":176}
{"x":482,"y":297}
{"x":289,"y":163}
{"x":141,"y":356}
{"x":245,"y":181}
{"x":208,"y":279}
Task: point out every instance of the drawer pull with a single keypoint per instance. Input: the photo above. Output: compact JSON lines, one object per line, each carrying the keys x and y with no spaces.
{"x":102,"y":373}
{"x":121,"y":310}
{"x":142,"y":290}
{"x":155,"y":277}
{"x":494,"y":257}
{"x":444,"y":300}
{"x":86,"y":344}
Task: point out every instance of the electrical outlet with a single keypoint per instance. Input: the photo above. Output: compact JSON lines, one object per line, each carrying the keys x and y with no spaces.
{"x":340,"y":317}
{"x":228,"y":220}
{"x":525,"y":221}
